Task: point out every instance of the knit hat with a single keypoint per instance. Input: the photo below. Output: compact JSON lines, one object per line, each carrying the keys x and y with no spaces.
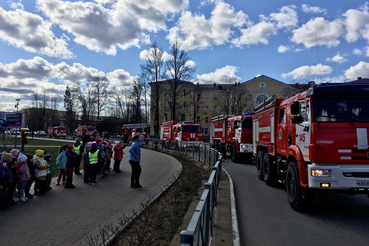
{"x":39,"y":152}
{"x":98,"y":140}
{"x":6,"y":157}
{"x":116,"y":142}
{"x":106,"y":140}
{"x":87,"y":147}
{"x":14,"y":152}
{"x":47,"y":157}
{"x":69,"y":147}
{"x":22,"y":158}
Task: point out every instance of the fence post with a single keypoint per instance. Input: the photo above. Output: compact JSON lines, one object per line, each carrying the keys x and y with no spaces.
{"x":186,"y":238}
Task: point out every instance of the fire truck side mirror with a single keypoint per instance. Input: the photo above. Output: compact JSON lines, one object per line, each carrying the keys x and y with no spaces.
{"x":295,"y":108}
{"x":297,"y":119}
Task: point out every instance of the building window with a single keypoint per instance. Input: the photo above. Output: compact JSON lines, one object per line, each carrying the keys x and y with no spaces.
{"x":223,"y":110}
{"x":183,"y":118}
{"x":215,"y":109}
{"x":191,"y":117}
{"x":206,"y":120}
{"x":215,"y":97}
{"x":206,"y":97}
{"x":206,"y":109}
{"x":170,"y":92}
{"x":223,"y":97}
{"x":231,"y":110}
{"x":169,"y":105}
{"x":206,"y":131}
{"x":250,"y":98}
{"x":260,"y":98}
{"x":198,"y":109}
{"x":182,"y":105}
{"x":198,"y":120}
{"x":183,"y":92}
{"x":165,"y":117}
{"x":198,"y":97}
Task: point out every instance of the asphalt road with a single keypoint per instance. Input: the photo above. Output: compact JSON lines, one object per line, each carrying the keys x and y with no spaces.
{"x":265,"y":217}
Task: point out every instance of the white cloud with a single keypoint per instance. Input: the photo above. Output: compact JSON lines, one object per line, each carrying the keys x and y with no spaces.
{"x":304,"y":71}
{"x":283,"y":48}
{"x":17,"y":5}
{"x":255,"y":34}
{"x":25,"y":77}
{"x":196,"y":32}
{"x":287,"y":18}
{"x":221,"y":76}
{"x":318,"y":31}
{"x":356,"y":51}
{"x":306,"y":8}
{"x":366,"y":49}
{"x":105,"y":28}
{"x":359,"y":70}
{"x":147,"y":54}
{"x":337,"y":58}
{"x":357,"y":22}
{"x":190,"y":64}
{"x":32,"y":33}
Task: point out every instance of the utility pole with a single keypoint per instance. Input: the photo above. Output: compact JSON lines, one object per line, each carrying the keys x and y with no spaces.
{"x":16,"y":129}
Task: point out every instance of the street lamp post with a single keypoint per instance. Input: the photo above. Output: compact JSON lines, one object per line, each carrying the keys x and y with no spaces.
{"x":16,"y":129}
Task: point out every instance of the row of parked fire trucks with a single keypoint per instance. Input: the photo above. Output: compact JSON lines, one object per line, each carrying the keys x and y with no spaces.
{"x":315,"y":140}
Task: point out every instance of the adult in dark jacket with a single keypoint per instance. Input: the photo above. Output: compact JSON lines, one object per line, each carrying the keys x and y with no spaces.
{"x":85,"y":139}
{"x":23,"y":139}
{"x":94,"y":158}
{"x":78,"y":149}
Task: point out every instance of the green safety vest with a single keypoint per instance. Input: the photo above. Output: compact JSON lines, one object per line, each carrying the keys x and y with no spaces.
{"x":77,"y":150}
{"x":93,"y":157}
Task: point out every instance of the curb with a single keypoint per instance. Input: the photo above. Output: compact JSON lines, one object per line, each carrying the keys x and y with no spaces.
{"x":235,"y":232}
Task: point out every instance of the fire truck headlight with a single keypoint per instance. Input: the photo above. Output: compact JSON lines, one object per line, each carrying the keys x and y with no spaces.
{"x":321,"y":173}
{"x":243,"y":146}
{"x":184,"y":146}
{"x":200,"y":146}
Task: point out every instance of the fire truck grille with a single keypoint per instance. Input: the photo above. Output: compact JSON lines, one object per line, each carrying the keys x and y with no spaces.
{"x":357,"y":175}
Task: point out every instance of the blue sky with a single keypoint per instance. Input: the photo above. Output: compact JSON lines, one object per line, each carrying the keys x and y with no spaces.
{"x":47,"y":44}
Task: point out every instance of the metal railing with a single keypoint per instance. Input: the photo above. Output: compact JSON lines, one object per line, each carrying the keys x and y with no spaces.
{"x":200,"y":228}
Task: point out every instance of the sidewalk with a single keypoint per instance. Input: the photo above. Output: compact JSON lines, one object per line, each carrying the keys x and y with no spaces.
{"x":65,"y":216}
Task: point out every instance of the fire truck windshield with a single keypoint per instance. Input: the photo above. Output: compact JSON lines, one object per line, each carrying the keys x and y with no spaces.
{"x":247,"y":123}
{"x":60,"y":128}
{"x":341,"y":110}
{"x":191,"y":129}
{"x":90,"y":129}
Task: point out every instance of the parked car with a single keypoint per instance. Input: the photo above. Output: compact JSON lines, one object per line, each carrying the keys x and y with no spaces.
{"x":16,"y":132}
{"x":41,"y":134}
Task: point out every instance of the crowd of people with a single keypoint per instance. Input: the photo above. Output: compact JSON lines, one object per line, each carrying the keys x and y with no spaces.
{"x":17,"y":173}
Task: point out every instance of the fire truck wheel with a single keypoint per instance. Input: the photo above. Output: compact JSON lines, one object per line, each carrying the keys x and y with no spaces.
{"x":268,"y":170}
{"x":234,"y":153}
{"x":259,"y":164}
{"x":298,"y":197}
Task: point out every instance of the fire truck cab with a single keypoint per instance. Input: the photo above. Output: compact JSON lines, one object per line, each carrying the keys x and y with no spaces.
{"x":315,"y":140}
{"x":57,"y":132}
{"x":136,"y":129}
{"x":80,"y":131}
{"x":185,"y":133}
{"x":232,"y":133}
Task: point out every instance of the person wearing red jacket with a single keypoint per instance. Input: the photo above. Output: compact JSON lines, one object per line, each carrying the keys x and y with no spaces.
{"x":23,"y":139}
{"x":118,"y":155}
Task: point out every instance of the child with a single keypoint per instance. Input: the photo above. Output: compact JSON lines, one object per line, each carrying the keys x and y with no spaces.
{"x":6,"y":177}
{"x":102,"y":152}
{"x":23,"y":176}
{"x":94,"y":157}
{"x":78,"y":149}
{"x":48,"y":173}
{"x":40,"y":171}
{"x":60,"y":162}
{"x":118,"y":156}
{"x":71,"y":162}
{"x":86,"y":171}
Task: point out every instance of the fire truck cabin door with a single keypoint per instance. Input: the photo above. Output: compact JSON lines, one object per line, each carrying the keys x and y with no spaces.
{"x":303,"y":130}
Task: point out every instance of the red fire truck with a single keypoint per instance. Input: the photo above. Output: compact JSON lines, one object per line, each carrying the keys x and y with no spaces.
{"x":57,"y":132}
{"x":315,"y":140}
{"x":82,"y":129}
{"x":136,"y":129}
{"x":232,"y":133}
{"x":185,"y":133}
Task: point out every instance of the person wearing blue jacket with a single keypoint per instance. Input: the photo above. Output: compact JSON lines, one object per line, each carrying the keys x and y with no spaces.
{"x":61,"y":161}
{"x":134,"y":160}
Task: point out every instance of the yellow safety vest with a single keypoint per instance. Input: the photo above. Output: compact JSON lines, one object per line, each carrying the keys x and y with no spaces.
{"x":93,"y":157}
{"x":77,"y":150}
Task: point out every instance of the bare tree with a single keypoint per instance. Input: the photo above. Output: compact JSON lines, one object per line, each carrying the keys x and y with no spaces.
{"x":154,"y":71}
{"x":179,"y":72}
{"x":85,"y":100}
{"x":234,"y":99}
{"x":100,"y":91}
{"x":137,"y":92}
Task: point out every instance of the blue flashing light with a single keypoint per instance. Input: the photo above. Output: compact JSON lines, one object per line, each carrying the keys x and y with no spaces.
{"x":185,"y":122}
{"x":191,"y":122}
{"x":247,"y":113}
{"x":325,"y":84}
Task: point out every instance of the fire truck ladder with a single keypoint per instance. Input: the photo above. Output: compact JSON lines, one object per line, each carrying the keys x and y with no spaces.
{"x":220,"y":117}
{"x":266,"y":104}
{"x":138,"y":125}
